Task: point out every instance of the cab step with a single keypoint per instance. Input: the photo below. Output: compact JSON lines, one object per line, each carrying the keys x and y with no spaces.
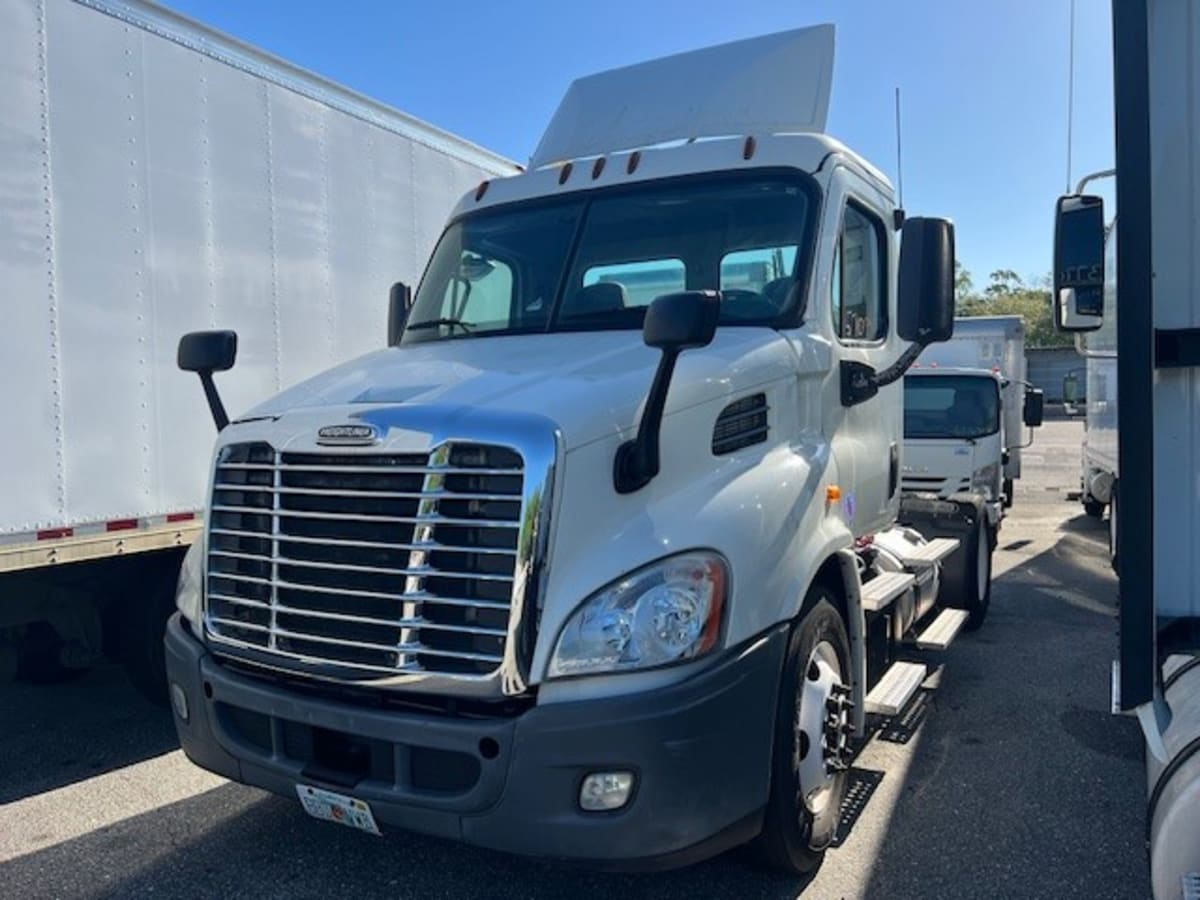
{"x":883,"y":589}
{"x":895,"y":688}
{"x":944,"y":629}
{"x":925,"y":554}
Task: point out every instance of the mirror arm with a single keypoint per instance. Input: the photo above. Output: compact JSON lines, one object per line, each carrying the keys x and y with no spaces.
{"x":861,"y":382}
{"x":637,"y":461}
{"x":215,"y":406}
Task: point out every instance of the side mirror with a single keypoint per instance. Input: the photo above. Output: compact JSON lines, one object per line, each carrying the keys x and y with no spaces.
{"x":674,"y":323}
{"x":399,"y":304}
{"x":925,"y":290}
{"x":1079,"y":263}
{"x":682,"y":321}
{"x":205,"y":352}
{"x":1033,"y":412}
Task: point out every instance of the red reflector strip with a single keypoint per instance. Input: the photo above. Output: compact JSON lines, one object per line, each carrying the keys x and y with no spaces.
{"x":120,"y":524}
{"x":180,"y":517}
{"x":53,"y":534}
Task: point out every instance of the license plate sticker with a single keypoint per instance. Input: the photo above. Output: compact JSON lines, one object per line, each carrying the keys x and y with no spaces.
{"x":338,"y":808}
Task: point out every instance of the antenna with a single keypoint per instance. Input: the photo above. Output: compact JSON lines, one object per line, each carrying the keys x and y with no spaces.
{"x":1070,"y":93}
{"x":898,"y":214}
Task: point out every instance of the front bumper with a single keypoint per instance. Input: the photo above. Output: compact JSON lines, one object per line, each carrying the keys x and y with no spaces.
{"x":701,"y":751}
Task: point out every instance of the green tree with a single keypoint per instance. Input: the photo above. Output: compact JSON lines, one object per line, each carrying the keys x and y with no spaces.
{"x":1008,"y":295}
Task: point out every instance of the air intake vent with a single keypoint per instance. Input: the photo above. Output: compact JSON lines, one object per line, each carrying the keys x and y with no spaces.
{"x":742,"y":423}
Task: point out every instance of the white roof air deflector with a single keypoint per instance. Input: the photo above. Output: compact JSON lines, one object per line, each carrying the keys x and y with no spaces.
{"x":774,"y":84}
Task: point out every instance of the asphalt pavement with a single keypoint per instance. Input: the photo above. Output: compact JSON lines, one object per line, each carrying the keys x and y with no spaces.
{"x":1006,"y":777}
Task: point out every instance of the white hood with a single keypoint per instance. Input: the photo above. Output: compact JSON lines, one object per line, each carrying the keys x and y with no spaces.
{"x":590,"y":384}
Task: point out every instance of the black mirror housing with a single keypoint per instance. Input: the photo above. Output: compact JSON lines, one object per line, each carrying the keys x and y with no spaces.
{"x":925,"y":313}
{"x":399,"y":304}
{"x":682,"y":321}
{"x":207,"y":351}
{"x":1034,"y":409}
{"x":1079,"y":263}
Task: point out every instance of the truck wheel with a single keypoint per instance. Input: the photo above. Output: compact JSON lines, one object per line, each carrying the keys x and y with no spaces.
{"x":143,"y":624}
{"x":1112,"y":529}
{"x":1093,"y":507}
{"x":811,"y":752}
{"x":39,"y":657}
{"x":976,"y":590}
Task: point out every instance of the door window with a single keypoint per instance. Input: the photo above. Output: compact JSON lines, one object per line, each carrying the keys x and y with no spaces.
{"x":859,"y":292}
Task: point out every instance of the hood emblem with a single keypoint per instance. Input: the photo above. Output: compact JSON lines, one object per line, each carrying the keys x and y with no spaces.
{"x":348,"y":435}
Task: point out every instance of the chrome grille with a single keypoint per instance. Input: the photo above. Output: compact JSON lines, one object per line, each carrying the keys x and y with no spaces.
{"x":377,"y":564}
{"x":934,"y":484}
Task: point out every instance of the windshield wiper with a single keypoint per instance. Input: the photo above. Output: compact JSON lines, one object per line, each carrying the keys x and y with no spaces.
{"x":437,"y":323}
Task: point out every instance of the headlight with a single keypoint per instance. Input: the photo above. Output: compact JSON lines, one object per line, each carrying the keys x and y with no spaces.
{"x":668,"y":612}
{"x":987,"y":479}
{"x":190,"y":591}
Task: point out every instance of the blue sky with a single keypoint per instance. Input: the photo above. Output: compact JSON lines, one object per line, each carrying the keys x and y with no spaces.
{"x":984,"y":83}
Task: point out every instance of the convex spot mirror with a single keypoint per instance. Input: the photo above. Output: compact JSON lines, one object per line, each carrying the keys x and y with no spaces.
{"x":1079,"y":263}
{"x":926,"y":282}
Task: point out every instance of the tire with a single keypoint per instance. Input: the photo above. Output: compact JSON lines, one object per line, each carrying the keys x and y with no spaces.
{"x":143,"y":623}
{"x":797,"y":831}
{"x":1113,"y":535}
{"x":1093,"y":507}
{"x":39,"y":660}
{"x":975,"y":594}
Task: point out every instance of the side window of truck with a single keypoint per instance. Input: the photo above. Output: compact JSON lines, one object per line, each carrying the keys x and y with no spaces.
{"x":859,"y":293}
{"x":482,"y":292}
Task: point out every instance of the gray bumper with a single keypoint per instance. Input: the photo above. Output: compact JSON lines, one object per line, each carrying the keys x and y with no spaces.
{"x":701,"y":750}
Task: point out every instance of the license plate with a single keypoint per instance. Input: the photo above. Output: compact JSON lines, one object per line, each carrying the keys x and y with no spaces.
{"x":337,"y":808}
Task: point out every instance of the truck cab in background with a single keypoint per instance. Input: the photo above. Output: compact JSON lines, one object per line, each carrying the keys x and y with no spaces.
{"x":601,"y":560}
{"x":966,"y":407}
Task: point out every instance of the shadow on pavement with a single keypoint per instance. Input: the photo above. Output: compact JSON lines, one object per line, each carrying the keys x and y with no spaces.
{"x":54,"y":735}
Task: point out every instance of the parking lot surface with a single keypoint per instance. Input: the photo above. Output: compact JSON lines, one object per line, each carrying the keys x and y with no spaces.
{"x":1006,"y":777}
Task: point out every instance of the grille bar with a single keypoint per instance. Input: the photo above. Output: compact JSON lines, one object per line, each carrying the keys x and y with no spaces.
{"x":359,"y":517}
{"x":373,"y":562}
{"x":420,"y":572}
{"x":426,"y":546}
{"x":358,"y":620}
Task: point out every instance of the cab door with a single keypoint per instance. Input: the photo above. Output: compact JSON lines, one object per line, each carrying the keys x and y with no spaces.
{"x":859,"y":311}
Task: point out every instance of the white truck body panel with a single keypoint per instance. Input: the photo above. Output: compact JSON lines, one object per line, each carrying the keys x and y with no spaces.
{"x":1100,"y":350}
{"x":1175,"y":226}
{"x":161,"y":178}
{"x":994,"y":344}
{"x":766,"y":85}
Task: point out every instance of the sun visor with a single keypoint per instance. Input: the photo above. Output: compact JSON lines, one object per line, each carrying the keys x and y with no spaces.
{"x":774,"y":84}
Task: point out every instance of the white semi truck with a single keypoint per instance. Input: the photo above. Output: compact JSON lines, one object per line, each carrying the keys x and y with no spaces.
{"x":1152,"y":276}
{"x":160,"y":177}
{"x":966,"y":407}
{"x":600,"y":559}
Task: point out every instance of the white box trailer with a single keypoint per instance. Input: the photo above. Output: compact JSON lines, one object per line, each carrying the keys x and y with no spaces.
{"x":159,"y":177}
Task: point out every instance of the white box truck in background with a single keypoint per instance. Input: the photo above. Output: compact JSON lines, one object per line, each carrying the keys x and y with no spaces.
{"x":992,"y":346}
{"x":966,"y":405}
{"x":160,"y":177}
{"x":1151,"y":277}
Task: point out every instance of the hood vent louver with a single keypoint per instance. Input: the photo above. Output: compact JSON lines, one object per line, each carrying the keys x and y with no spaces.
{"x":740,"y":424}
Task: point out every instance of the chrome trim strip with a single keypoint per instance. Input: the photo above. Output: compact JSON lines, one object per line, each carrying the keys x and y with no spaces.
{"x":377,"y":545}
{"x":422,"y":572}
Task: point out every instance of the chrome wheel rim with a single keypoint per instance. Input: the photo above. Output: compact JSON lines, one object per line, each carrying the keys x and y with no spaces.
{"x":821,"y":727}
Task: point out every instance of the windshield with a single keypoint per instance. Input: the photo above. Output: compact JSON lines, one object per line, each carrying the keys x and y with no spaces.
{"x":597,"y":262}
{"x":950,"y":406}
